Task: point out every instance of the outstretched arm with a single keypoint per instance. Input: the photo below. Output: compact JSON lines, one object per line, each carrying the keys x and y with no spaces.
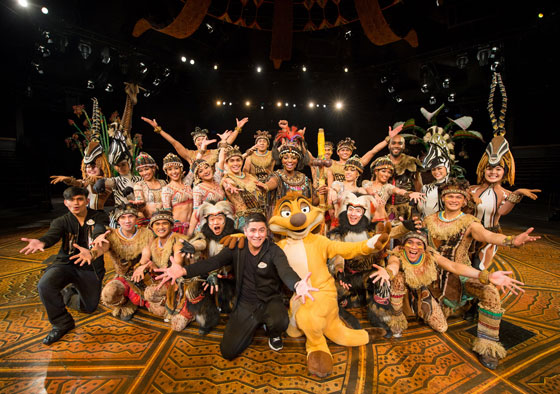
{"x":479,"y":233}
{"x":380,"y":146}
{"x":181,"y":150}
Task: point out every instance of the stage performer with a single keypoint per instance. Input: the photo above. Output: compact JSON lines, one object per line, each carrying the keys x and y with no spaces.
{"x":258,"y":160}
{"x":259,"y":270}
{"x":147,"y":192}
{"x":177,"y":195}
{"x":79,"y":227}
{"x":124,"y":244}
{"x":199,"y":137}
{"x":353,"y":169}
{"x":451,"y":233}
{"x":418,"y":266}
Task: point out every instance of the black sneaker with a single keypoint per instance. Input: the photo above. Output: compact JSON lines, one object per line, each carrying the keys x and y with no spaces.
{"x":275,"y":343}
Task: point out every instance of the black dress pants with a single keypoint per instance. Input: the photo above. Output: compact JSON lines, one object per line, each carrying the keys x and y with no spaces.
{"x":57,"y":277}
{"x":245,"y":319}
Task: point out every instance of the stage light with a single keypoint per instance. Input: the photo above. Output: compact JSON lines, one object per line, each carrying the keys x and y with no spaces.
{"x":147,"y":93}
{"x":259,"y":69}
{"x":451,"y":97}
{"x":446,"y":82}
{"x":156,"y":82}
{"x":424,"y":88}
{"x":324,"y":105}
{"x":383,"y":79}
{"x":495,"y":66}
{"x":482,"y":56}
{"x":294,"y":105}
{"x":432,"y":100}
{"x":348,"y":34}
{"x":215,"y":66}
{"x":90,"y":84}
{"x":45,"y":52}
{"x":218,"y":103}
{"x":304,"y":69}
{"x":210,"y":28}
{"x":391,"y":89}
{"x":462,"y":61}
{"x":105,"y":56}
{"x":38,"y":68}
{"x":398,"y":99}
{"x":166,"y":72}
{"x":45,"y":10}
{"x":109,"y":88}
{"x":311,"y":104}
{"x":191,"y":61}
{"x":183,"y":59}
{"x":345,"y":69}
{"x":286,"y":104}
{"x":247,"y":103}
{"x":223,"y":103}
{"x":230,"y":103}
{"x":85,"y":49}
{"x":540,"y":15}
{"x":278,"y":103}
{"x":317,"y":105}
{"x":23,"y":3}
{"x":143,"y":68}
{"x":338,"y":105}
{"x":262,"y":106}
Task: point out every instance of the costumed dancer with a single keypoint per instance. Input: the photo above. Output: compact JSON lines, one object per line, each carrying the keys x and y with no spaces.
{"x":77,"y":229}
{"x":177,"y":195}
{"x":418,"y":266}
{"x":216,"y":223}
{"x":353,"y":169}
{"x":258,"y":160}
{"x":495,"y":166}
{"x":451,"y":233}
{"x":94,"y":165}
{"x":199,"y":137}
{"x":147,"y":192}
{"x":124,"y":244}
{"x":380,"y":187}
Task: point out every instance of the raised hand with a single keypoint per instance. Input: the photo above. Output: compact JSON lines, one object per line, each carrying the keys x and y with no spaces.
{"x":59,"y":178}
{"x":302,"y":289}
{"x":138,"y":274}
{"x":151,"y":122}
{"x":170,"y":274}
{"x":528,"y":193}
{"x":504,"y":282}
{"x":283,"y":124}
{"x":416,"y":197}
{"x":395,"y":131}
{"x":101,"y":239}
{"x":225,"y":135}
{"x":380,"y":274}
{"x":206,"y":142}
{"x":33,"y":246}
{"x":212,"y":283}
{"x":83,"y":257}
{"x":520,"y":239}
{"x":241,"y":123}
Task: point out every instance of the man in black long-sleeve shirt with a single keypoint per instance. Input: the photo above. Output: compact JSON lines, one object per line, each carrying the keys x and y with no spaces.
{"x":258,"y":269}
{"x":79,"y":227}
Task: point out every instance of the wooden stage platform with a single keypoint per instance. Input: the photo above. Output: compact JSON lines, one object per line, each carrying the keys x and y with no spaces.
{"x":106,"y":355}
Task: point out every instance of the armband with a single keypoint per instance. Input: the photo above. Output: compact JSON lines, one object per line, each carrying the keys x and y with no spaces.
{"x":483,"y":277}
{"x":514,"y":198}
{"x":158,"y":129}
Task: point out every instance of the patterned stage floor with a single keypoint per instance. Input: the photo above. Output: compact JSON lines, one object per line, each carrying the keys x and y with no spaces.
{"x":106,"y":355}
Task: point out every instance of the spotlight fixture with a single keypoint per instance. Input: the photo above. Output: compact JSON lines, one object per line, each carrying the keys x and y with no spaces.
{"x":247,"y":103}
{"x":215,"y":66}
{"x":223,"y":103}
{"x":230,"y":103}
{"x":338,"y":105}
{"x":210,"y":28}
{"x":259,"y":69}
{"x":391,"y":89}
{"x":85,"y":49}
{"x":166,"y":72}
{"x":143,"y":68}
{"x":304,"y":69}
{"x":23,"y":3}
{"x":286,"y":104}
{"x":218,"y":103}
{"x":540,"y":15}
{"x":184,"y":59}
{"x":482,"y":56}
{"x":494,"y":53}
{"x":47,"y":36}
{"x":446,"y":82}
{"x":383,"y":79}
{"x":462,"y":61}
{"x":278,"y":103}
{"x":294,"y":105}
{"x":311,"y":104}
{"x":156,"y":82}
{"x":105,"y":55}
{"x":495,"y":66}
{"x":191,"y":61}
{"x":424,"y":88}
{"x":432,"y":100}
{"x":109,"y":88}
{"x":45,"y":10}
{"x":317,"y":105}
{"x":147,"y":93}
{"x":345,"y":69}
{"x":451,"y":97}
{"x":90,"y":84}
{"x":324,"y":105}
{"x":44,"y":51}
{"x":262,"y":106}
{"x":38,"y":68}
{"x":398,"y":99}
{"x":348,"y":34}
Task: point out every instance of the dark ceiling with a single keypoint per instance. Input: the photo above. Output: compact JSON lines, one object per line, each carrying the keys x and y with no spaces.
{"x":186,"y":94}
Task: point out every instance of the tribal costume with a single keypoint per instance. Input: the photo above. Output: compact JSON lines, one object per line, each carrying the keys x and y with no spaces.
{"x":406,"y":171}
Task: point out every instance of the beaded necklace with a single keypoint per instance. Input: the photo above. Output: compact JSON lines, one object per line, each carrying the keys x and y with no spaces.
{"x":443,"y":219}
{"x":415,"y":263}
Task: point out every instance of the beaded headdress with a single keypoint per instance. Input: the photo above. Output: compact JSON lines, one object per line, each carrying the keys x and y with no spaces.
{"x":355,"y":162}
{"x":162,"y":214}
{"x":262,"y":134}
{"x":232,"y":151}
{"x":454,"y":185}
{"x":420,"y":234}
{"x":128,"y":209}
{"x":346,"y":143}
{"x":198,"y":132}
{"x":383,"y":162}
{"x":145,"y":160}
{"x":290,"y":147}
{"x":171,"y":160}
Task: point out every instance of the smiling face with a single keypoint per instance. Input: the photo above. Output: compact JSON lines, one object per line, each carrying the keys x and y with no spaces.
{"x":123,"y":167}
{"x":147,"y":173}
{"x":328,"y":152}
{"x":354,"y":214}
{"x":77,"y":205}
{"x":439,"y":173}
{"x":199,"y":140}
{"x":383,"y":175}
{"x":262,"y":145}
{"x":414,"y":249}
{"x":396,"y":145}
{"x":162,"y":228}
{"x":127,"y":222}
{"x":351,"y":174}
{"x":453,"y":202}
{"x":256,"y":233}
{"x":295,"y":217}
{"x":92,"y":170}
{"x":205,"y":172}
{"x":217,"y":223}
{"x":235,"y":164}
{"x":174,"y":173}
{"x":289,"y":162}
{"x":494,"y":174}
{"x":344,"y":153}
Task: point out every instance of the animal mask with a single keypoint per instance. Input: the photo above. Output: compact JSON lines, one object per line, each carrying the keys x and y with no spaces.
{"x":295,"y":217}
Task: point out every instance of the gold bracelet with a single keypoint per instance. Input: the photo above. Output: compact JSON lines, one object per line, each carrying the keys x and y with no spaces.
{"x":514,"y":198}
{"x":93,"y":254}
{"x":483,"y":277}
{"x":390,"y":273}
{"x":508,"y":241}
{"x":223,"y":144}
{"x":238,"y":129}
{"x":387,"y":139}
{"x":158,"y":129}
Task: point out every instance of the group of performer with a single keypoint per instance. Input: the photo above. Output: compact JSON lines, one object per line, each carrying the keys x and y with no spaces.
{"x":229,"y":235}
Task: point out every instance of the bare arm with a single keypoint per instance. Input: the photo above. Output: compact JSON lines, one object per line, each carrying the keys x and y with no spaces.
{"x":247,"y":165}
{"x":370,"y":154}
{"x":478,"y":232}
